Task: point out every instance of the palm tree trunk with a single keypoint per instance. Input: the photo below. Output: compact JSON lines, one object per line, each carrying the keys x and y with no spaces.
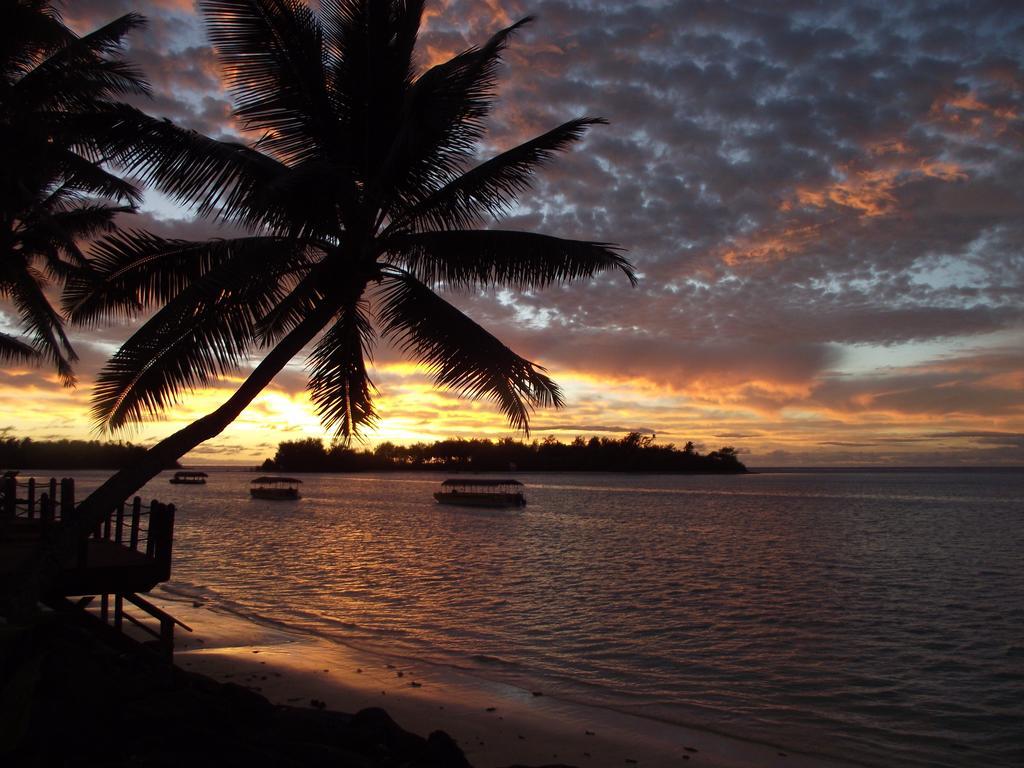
{"x":19,"y":597}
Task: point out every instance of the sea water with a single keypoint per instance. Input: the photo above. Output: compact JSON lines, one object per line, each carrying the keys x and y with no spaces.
{"x":873,"y":616}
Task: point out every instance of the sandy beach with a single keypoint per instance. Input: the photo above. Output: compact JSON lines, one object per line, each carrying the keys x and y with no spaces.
{"x":495,"y":724}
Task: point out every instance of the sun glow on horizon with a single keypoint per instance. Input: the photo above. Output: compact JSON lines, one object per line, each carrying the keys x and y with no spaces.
{"x":770,"y":422}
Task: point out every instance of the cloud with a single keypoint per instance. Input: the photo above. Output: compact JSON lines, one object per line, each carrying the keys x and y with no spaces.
{"x":591,"y":428}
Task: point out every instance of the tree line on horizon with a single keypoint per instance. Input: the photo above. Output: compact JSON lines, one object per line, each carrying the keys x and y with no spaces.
{"x":26,"y":453}
{"x":632,"y":453}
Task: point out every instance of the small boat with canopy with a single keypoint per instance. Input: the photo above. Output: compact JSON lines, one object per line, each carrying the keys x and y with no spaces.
{"x":189,"y":477}
{"x":481,"y":492}
{"x":275,"y":488}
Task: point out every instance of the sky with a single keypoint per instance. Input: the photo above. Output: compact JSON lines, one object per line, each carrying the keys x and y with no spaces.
{"x":823,"y":202}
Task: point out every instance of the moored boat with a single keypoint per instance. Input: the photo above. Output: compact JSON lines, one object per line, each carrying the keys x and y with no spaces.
{"x":481,"y":492}
{"x":275,"y":488}
{"x":189,"y":477}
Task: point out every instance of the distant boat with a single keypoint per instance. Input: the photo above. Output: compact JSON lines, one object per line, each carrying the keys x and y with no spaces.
{"x":480,"y":492}
{"x":189,"y":478}
{"x":275,"y":488}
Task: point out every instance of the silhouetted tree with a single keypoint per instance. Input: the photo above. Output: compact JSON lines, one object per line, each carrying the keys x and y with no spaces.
{"x":302,"y":455}
{"x":58,"y":125}
{"x":361,"y":195}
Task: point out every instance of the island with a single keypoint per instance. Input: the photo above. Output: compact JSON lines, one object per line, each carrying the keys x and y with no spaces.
{"x":632,"y":453}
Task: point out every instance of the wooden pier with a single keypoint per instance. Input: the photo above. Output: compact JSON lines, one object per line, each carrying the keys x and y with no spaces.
{"x":127,"y":554}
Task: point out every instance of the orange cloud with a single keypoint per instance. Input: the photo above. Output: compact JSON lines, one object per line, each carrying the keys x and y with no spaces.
{"x":866,"y":189}
{"x":766,"y":245}
{"x":967,"y":113}
{"x":871,"y":191}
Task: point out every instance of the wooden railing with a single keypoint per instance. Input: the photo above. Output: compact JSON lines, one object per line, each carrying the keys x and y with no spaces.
{"x":144,"y":528}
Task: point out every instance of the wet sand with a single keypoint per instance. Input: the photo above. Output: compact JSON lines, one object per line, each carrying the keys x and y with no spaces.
{"x":495,"y":724}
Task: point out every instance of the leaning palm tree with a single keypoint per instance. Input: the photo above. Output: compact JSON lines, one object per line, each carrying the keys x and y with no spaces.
{"x":58,"y":112}
{"x":363,"y":194}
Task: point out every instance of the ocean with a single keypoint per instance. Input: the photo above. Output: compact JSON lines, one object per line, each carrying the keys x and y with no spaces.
{"x":875,"y":617}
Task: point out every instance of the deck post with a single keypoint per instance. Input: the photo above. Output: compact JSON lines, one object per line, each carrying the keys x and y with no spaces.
{"x":105,"y":607}
{"x":67,"y":499}
{"x":167,"y":638}
{"x":67,"y":516}
{"x":45,"y":509}
{"x":118,"y":611}
{"x":155,"y":510}
{"x":53,"y":497}
{"x":10,"y":494}
{"x":119,"y":524}
{"x":133,"y":536}
{"x":161,"y":536}
{"x":30,"y":499}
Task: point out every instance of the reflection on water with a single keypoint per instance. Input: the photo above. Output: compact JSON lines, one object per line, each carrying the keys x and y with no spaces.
{"x":877,"y":617}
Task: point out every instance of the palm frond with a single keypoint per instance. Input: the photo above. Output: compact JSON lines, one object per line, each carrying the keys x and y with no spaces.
{"x":308,"y":198}
{"x":41,"y":322}
{"x":222,"y":179}
{"x":60,"y":232}
{"x":459,"y":353}
{"x":492,"y":187}
{"x":202,"y":333}
{"x":132,"y":270}
{"x":468,"y":258}
{"x":339,"y":385}
{"x":404,"y":25}
{"x":13,"y":349}
{"x":83,"y":71}
{"x":303,"y":296}
{"x":442,"y":121}
{"x":370,"y":46}
{"x":273,"y":53}
{"x":86,"y":176}
{"x":39,"y":31}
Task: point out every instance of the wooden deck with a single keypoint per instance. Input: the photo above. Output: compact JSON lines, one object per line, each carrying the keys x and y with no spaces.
{"x":127,"y":554}
{"x":108,"y":567}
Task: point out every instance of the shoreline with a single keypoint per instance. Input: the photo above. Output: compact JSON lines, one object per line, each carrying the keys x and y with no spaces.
{"x":494,"y":723}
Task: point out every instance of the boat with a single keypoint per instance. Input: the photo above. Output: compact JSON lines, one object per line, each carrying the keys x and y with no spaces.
{"x":188,"y":477}
{"x":275,"y":488}
{"x":481,"y":492}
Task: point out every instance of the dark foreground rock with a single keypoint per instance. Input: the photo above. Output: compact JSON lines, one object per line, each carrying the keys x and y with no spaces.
{"x":68,"y":699}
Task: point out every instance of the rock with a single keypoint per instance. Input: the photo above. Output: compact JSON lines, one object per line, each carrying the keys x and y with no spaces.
{"x":245,"y":703}
{"x":442,"y":752}
{"x":374,"y":727}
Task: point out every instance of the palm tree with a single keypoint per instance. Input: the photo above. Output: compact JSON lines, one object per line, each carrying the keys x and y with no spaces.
{"x":361,"y":196}
{"x":57,"y":110}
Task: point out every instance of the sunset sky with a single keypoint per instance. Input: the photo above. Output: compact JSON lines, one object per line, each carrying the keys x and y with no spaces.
{"x":823,"y":202}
